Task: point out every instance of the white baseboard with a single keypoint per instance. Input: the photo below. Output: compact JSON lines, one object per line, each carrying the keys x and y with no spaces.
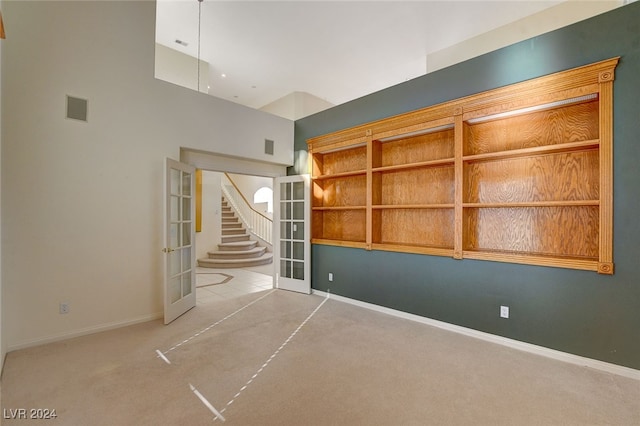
{"x":82,"y":332}
{"x":515,"y":344}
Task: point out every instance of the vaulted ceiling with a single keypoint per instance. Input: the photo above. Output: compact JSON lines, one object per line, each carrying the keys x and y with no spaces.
{"x":260,"y":51}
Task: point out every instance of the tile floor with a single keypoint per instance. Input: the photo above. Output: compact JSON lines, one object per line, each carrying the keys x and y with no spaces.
{"x":213,"y":285}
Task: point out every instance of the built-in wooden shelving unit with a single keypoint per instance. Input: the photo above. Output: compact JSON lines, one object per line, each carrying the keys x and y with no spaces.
{"x":518,"y":174}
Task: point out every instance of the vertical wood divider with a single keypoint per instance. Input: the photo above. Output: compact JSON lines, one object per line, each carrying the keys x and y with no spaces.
{"x":458,"y":132}
{"x":605,"y":261}
{"x":369,"y":214}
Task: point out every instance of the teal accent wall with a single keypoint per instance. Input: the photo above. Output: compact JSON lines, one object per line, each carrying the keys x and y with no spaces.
{"x":579,"y":312}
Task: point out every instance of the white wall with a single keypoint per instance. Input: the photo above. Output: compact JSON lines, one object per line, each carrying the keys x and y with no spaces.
{"x":82,"y":203}
{"x":179,"y":68}
{"x":2,"y":336}
{"x":297,"y":105}
{"x":550,"y":19}
{"x":248,"y":185}
{"x":209,"y":237}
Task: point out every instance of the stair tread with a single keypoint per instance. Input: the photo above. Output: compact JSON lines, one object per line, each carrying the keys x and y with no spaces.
{"x":238,"y":244}
{"x":233,"y":231}
{"x":234,"y":237}
{"x":235,"y":242}
{"x":238,"y":252}
{"x":235,"y":263}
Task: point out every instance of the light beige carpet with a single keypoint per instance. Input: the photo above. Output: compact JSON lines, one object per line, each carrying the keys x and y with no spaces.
{"x":264,"y":365}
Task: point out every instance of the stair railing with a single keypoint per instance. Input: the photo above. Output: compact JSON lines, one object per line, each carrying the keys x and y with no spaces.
{"x":256,"y":223}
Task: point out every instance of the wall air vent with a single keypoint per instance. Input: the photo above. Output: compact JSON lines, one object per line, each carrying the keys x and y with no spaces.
{"x":268,"y":146}
{"x":76,"y":108}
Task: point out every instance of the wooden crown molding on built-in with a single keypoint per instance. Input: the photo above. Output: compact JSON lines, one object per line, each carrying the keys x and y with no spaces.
{"x":561,"y":85}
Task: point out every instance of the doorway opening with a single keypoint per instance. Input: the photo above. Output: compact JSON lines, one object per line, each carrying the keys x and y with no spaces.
{"x":214,"y":284}
{"x":234,"y":246}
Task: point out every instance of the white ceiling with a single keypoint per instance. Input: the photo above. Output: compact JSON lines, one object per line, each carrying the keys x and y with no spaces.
{"x":335,"y":50}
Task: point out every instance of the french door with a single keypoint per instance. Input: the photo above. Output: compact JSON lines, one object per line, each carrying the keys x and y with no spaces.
{"x":292,"y":248}
{"x":179,"y":240}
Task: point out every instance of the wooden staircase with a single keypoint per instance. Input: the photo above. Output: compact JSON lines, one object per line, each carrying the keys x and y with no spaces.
{"x":236,"y":250}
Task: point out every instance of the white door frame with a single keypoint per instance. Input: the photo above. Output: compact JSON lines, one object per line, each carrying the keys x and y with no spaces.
{"x":221,"y":163}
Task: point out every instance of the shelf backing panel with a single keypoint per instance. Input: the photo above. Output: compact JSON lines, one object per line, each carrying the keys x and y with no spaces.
{"x":567,"y":176}
{"x":567,"y":124}
{"x":560,"y":231}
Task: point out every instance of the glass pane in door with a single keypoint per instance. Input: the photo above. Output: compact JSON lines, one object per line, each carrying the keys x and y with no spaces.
{"x":285,"y":249}
{"x":174,"y":263}
{"x":298,"y":190}
{"x":175,"y":209}
{"x":186,"y":234}
{"x":298,"y":270}
{"x":285,"y":268}
{"x":174,"y":289}
{"x":186,"y":284}
{"x":298,"y":230}
{"x":285,"y":191}
{"x":186,"y":208}
{"x":173,"y":235}
{"x":175,"y":182}
{"x":186,"y":259}
{"x":285,"y":210}
{"x":285,"y":230}
{"x":186,"y":184}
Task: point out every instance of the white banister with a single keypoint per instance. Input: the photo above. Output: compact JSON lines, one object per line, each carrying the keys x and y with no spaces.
{"x":256,"y":223}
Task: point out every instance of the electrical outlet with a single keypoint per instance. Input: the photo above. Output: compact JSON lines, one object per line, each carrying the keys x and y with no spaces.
{"x":330,"y":276}
{"x":64,"y":307}
{"x":504,"y":312}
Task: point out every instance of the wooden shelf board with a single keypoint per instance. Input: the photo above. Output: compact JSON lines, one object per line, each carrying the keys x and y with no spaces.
{"x":573,"y":203}
{"x":558,"y":261}
{"x":434,"y":126}
{"x":335,"y":208}
{"x":412,"y":206}
{"x":418,"y":165}
{"x":339,"y":243}
{"x":435,"y":251}
{"x":329,"y":147}
{"x":341,"y":175}
{"x":538,"y":150}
